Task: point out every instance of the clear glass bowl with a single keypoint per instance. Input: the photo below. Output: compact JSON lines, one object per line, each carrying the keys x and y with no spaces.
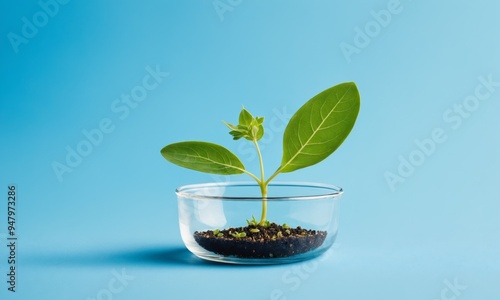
{"x":219,"y":206}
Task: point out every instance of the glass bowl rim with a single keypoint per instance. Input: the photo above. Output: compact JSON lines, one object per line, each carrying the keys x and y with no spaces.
{"x":335,"y":191}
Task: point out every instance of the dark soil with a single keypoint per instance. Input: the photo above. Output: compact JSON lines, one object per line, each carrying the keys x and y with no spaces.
{"x":260,"y":242}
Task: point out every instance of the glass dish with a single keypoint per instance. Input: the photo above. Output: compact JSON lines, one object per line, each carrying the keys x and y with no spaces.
{"x":217,"y":206}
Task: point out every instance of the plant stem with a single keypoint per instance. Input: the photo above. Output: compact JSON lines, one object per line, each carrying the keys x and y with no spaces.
{"x":262,"y":184}
{"x":251,"y":175}
{"x":260,"y":161}
{"x":263,"y":189}
{"x":272,"y":176}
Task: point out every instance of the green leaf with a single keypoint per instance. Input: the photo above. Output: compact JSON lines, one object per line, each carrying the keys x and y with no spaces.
{"x":230,"y":126}
{"x":239,"y":235}
{"x":245,"y":117}
{"x":253,"y":222}
{"x":248,"y":127}
{"x":320,"y":126}
{"x":203,"y":157}
{"x":236,"y":134}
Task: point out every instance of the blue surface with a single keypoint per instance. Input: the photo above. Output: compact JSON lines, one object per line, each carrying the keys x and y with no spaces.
{"x":106,"y":227}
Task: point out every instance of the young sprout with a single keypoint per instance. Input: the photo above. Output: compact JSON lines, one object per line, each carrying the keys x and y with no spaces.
{"x":239,"y":235}
{"x":253,"y":222}
{"x":254,"y":230}
{"x":314,"y":132}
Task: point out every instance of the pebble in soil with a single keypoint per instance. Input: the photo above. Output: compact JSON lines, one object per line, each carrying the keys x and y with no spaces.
{"x":256,"y":241}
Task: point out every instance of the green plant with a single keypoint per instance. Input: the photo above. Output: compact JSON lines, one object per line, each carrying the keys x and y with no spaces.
{"x":239,"y":235}
{"x":252,"y":222}
{"x":217,"y":233}
{"x":314,"y":132}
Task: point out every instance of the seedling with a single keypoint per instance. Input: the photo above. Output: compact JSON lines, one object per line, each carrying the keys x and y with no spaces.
{"x":239,"y":235}
{"x":314,"y":132}
{"x":253,"y":222}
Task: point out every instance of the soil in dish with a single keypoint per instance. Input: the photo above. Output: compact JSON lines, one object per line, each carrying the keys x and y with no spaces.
{"x":260,"y":241}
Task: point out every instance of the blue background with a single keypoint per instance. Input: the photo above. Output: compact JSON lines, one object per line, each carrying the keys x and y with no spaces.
{"x":116,"y":210}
